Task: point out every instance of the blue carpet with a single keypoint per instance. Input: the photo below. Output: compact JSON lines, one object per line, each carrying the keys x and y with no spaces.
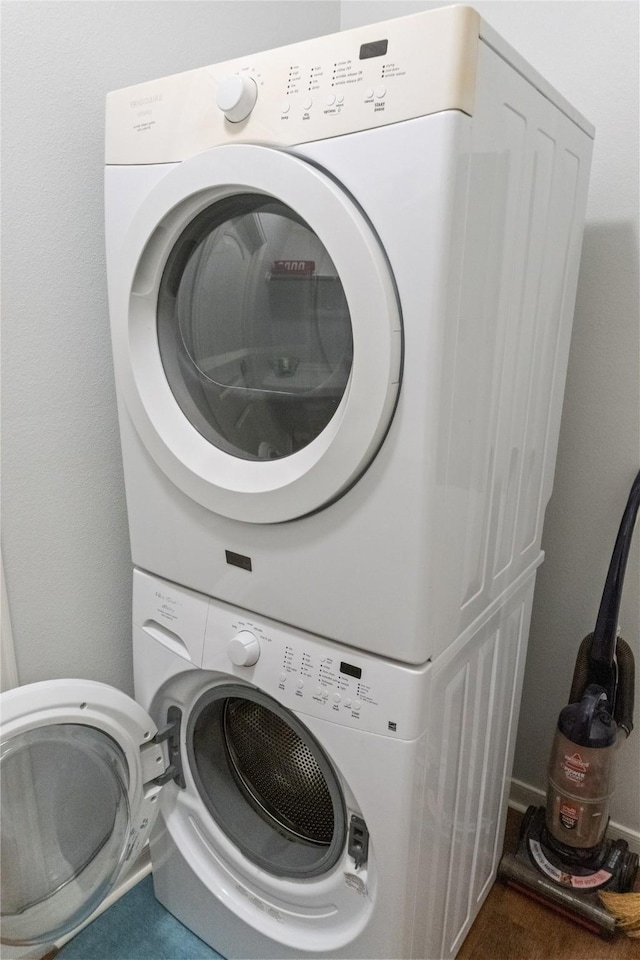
{"x":137,"y":927}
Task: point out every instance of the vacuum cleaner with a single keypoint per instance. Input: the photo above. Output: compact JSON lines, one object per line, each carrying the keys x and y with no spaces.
{"x":563,"y":856}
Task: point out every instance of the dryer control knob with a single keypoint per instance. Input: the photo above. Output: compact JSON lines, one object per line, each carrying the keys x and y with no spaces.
{"x":237,"y":95}
{"x":244,"y":649}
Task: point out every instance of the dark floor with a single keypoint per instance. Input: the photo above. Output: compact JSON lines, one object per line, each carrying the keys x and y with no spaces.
{"x":510,"y":926}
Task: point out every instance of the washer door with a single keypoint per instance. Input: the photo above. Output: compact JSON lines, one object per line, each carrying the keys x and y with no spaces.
{"x":267,"y":782}
{"x":257,"y":334}
{"x":71,"y":803}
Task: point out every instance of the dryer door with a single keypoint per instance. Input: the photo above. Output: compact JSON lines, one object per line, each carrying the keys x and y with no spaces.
{"x":74,"y":759}
{"x":257,"y":334}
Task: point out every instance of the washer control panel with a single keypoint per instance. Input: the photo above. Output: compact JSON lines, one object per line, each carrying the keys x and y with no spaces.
{"x":314,"y":676}
{"x":321,"y":88}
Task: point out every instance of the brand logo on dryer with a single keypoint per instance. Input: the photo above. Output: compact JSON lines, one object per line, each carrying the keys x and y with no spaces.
{"x":146,"y":101}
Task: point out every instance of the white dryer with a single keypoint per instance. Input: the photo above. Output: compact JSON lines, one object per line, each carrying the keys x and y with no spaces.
{"x":341,"y":283}
{"x":311,"y":799}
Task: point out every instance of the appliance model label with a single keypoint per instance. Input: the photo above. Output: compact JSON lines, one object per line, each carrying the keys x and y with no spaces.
{"x":261,"y":904}
{"x":356,"y":883}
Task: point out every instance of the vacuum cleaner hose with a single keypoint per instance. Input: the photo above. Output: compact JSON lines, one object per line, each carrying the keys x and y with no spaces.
{"x":623,"y":714}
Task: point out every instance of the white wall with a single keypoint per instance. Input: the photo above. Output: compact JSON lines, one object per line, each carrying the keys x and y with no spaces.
{"x":65,"y":540}
{"x":589,"y":51}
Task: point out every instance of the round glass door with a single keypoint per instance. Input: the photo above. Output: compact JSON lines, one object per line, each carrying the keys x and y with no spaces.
{"x":254,"y":328}
{"x":257,"y":333}
{"x":64,"y":828}
{"x":267,"y":782}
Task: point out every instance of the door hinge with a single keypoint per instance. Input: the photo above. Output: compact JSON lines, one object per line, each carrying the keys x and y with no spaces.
{"x":170,"y":734}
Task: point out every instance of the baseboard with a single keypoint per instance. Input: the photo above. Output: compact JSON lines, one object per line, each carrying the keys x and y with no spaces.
{"x":523,"y":795}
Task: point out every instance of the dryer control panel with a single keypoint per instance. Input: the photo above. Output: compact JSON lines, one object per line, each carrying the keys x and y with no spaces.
{"x":326,"y":87}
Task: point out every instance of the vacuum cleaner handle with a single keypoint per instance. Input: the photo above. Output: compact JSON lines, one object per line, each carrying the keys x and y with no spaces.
{"x":603,"y":668}
{"x":606,"y":629}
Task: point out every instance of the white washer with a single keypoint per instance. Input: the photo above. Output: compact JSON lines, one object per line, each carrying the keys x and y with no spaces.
{"x":341,"y":282}
{"x":313,"y":800}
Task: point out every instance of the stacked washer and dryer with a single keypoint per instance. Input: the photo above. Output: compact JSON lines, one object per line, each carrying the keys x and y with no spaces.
{"x":341,"y":278}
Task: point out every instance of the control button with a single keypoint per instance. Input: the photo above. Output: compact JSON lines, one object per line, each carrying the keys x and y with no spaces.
{"x":347,"y":702}
{"x":331,"y":100}
{"x":308,"y":103}
{"x":282,"y":677}
{"x":381,"y":92}
{"x":356,"y":704}
{"x":339,"y":99}
{"x":237,"y":95}
{"x":285,"y":107}
{"x":369,"y":94}
{"x":325,"y":694}
{"x":299,"y":684}
{"x":244,"y":649}
{"x":337,"y":698}
{"x":319,"y":691}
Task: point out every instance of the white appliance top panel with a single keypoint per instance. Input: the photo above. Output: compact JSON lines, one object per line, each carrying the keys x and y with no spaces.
{"x":359,"y":79}
{"x":321,"y":88}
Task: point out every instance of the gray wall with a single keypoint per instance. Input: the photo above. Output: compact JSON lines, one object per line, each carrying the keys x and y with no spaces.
{"x":589,"y":51}
{"x":65,"y":540}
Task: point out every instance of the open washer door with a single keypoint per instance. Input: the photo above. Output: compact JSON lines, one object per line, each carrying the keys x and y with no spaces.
{"x":257,"y":333}
{"x":78,"y":764}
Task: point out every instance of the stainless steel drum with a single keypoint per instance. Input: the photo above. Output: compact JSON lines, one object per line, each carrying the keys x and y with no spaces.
{"x":266,"y":781}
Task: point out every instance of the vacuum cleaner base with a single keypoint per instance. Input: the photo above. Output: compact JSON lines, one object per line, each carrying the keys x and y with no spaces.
{"x":569,"y":889}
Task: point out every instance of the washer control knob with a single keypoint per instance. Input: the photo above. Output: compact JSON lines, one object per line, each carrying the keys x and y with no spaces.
{"x":237,"y":95}
{"x":244,"y":649}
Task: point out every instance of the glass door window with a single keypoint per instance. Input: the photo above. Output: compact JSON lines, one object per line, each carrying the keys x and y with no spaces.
{"x":64,"y":828}
{"x":254,"y":329}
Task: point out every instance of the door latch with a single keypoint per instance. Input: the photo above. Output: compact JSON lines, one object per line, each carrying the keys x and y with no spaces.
{"x":358,"y":843}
